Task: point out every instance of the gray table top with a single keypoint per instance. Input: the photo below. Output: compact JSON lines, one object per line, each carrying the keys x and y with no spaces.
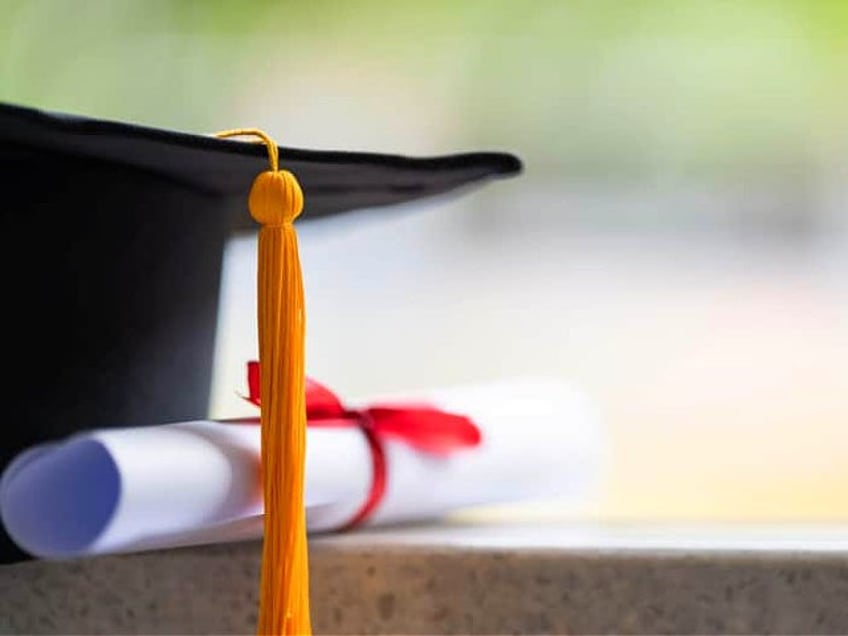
{"x":464,"y":578}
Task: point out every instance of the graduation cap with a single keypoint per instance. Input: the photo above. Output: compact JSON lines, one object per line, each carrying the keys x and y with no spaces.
{"x":114,"y":241}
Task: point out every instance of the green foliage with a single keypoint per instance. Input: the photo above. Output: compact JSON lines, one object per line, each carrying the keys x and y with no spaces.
{"x":628,"y":87}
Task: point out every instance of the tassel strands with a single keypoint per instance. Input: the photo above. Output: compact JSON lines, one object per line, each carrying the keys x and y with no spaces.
{"x":275,"y":202}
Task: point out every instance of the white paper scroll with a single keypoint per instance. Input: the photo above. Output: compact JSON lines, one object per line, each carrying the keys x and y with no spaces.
{"x":198,"y":482}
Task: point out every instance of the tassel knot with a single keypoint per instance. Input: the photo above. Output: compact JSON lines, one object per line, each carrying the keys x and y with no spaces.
{"x":275,"y":198}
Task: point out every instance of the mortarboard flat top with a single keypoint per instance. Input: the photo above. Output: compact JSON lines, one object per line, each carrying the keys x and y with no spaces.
{"x":333,"y":182}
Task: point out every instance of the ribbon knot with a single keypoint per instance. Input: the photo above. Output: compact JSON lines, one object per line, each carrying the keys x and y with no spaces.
{"x":423,"y":427}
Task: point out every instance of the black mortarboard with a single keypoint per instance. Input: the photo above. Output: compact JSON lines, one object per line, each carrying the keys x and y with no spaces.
{"x":125,"y":226}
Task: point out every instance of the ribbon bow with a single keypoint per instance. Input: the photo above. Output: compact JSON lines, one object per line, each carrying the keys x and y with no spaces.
{"x":424,"y":428}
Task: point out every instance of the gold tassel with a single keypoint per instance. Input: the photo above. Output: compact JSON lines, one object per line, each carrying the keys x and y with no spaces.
{"x":275,"y":202}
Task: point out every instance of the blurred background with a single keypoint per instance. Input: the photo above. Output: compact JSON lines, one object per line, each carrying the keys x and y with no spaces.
{"x":677,"y":247}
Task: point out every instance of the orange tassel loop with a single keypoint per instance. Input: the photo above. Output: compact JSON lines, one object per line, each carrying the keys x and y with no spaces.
{"x":275,"y":202}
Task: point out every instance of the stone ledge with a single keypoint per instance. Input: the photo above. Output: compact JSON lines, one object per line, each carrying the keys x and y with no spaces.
{"x":403,"y":582}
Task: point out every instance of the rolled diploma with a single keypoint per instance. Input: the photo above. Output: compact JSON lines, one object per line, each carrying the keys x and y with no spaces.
{"x":198,"y":482}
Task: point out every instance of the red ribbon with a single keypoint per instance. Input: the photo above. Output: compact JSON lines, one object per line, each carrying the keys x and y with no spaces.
{"x":424,"y":428}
